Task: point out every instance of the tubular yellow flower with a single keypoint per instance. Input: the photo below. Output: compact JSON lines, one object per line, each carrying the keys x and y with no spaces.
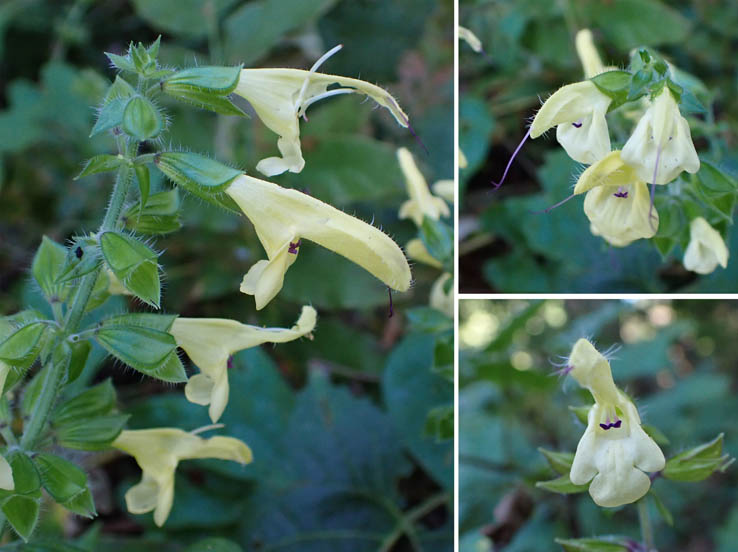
{"x":614,"y":451}
{"x":158,"y":452}
{"x":617,"y":202}
{"x":283,"y":216}
{"x":578,"y":112}
{"x":706,"y":249}
{"x":6,"y":475}
{"x":661,"y":145}
{"x":421,"y":203}
{"x":470,"y":38}
{"x":281,"y":96}
{"x":588,"y":55}
{"x":210,"y":342}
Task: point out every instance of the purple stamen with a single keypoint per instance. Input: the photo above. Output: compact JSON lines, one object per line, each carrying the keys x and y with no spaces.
{"x":230,"y":362}
{"x":391,"y":312}
{"x":515,"y":153}
{"x":605,"y":426}
{"x":617,"y":424}
{"x":417,"y":138}
{"x":293,"y":247}
{"x":622,"y":192}
{"x":578,"y":124}
{"x":549,"y":209}
{"x":563,"y":371}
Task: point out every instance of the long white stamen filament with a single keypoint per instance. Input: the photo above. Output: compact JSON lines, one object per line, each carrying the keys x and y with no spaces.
{"x":313,"y":69}
{"x":328,"y":94}
{"x":203,"y":429}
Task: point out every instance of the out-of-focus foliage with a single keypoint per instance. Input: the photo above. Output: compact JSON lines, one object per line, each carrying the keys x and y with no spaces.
{"x":677,"y":361}
{"x":529,"y":53}
{"x":344,"y":456}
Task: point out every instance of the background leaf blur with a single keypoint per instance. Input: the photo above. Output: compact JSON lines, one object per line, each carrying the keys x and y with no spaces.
{"x":341,"y":458}
{"x":677,"y":361}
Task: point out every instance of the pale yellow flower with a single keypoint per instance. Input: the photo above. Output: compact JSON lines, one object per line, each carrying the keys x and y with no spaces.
{"x":661,"y":147}
{"x":282,"y":217}
{"x":578,"y":112}
{"x":470,"y":38}
{"x":417,"y":251}
{"x":706,"y":249}
{"x":617,"y":203}
{"x":209,"y":342}
{"x":158,"y":452}
{"x":441,"y":300}
{"x":463,"y":162}
{"x":614,"y":451}
{"x":445,"y":189}
{"x":281,"y":96}
{"x":421,"y":203}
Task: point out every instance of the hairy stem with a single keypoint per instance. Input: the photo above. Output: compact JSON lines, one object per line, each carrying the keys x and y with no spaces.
{"x":646,"y":528}
{"x":55,"y":370}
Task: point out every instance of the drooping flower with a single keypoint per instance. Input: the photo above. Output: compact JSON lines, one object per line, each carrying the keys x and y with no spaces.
{"x":615,"y":452}
{"x":439,"y":298}
{"x":578,"y":112}
{"x":446,"y":189}
{"x":661,"y":145}
{"x":282,"y":217}
{"x":706,"y":249}
{"x":210,"y":342}
{"x":617,"y":202}
{"x":421,"y":203}
{"x":158,"y":452}
{"x":470,"y":38}
{"x":417,"y":251}
{"x":281,"y":96}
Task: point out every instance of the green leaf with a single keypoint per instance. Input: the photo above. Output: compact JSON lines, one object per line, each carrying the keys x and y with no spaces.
{"x":25,"y":476}
{"x":581,"y":412}
{"x":596,"y":544}
{"x":47,"y":266}
{"x":161,"y":322}
{"x":211,"y":102}
{"x":144,"y":182}
{"x":697,"y":463}
{"x":438,"y":239}
{"x":142,"y":348}
{"x":141,"y":119}
{"x":217,"y":80}
{"x":93,"y":402}
{"x":134,"y":264}
{"x":656,"y":434}
{"x":111,"y":112}
{"x":62,"y":479}
{"x":199,"y":175}
{"x":20,"y":347}
{"x":562,"y":485}
{"x":612,"y":82}
{"x":428,"y":320}
{"x":80,"y":353}
{"x":639,"y":84}
{"x":160,"y":215}
{"x":91,"y":434}
{"x":716,"y":180}
{"x":123,"y":63}
{"x":560,"y":461}
{"x":22,"y":514}
{"x":439,"y":423}
{"x":101,"y":163}
{"x":82,"y":504}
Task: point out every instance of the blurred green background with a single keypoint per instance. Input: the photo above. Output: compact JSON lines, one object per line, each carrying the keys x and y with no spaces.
{"x":678,"y":361}
{"x":342,"y":459}
{"x":529,"y":47}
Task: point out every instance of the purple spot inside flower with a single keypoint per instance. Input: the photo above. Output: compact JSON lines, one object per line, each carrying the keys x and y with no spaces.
{"x":605,"y":426}
{"x":577,"y":125}
{"x":617,"y":424}
{"x":230,"y":362}
{"x":294,"y":246}
{"x":620,"y":194}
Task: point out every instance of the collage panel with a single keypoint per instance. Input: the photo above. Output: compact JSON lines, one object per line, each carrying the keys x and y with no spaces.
{"x":598,"y":147}
{"x":227,"y":275}
{"x":597,"y":425}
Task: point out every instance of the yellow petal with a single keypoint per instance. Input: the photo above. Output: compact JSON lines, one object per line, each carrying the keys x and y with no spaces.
{"x":706,"y":249}
{"x":611,"y":171}
{"x":209,"y":342}
{"x":280,"y":96}
{"x":265,"y":279}
{"x":569,"y":104}
{"x":439,"y":299}
{"x":421,"y":203}
{"x":446,"y":189}
{"x":279,"y":213}
{"x":621,"y":220}
{"x":588,"y":55}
